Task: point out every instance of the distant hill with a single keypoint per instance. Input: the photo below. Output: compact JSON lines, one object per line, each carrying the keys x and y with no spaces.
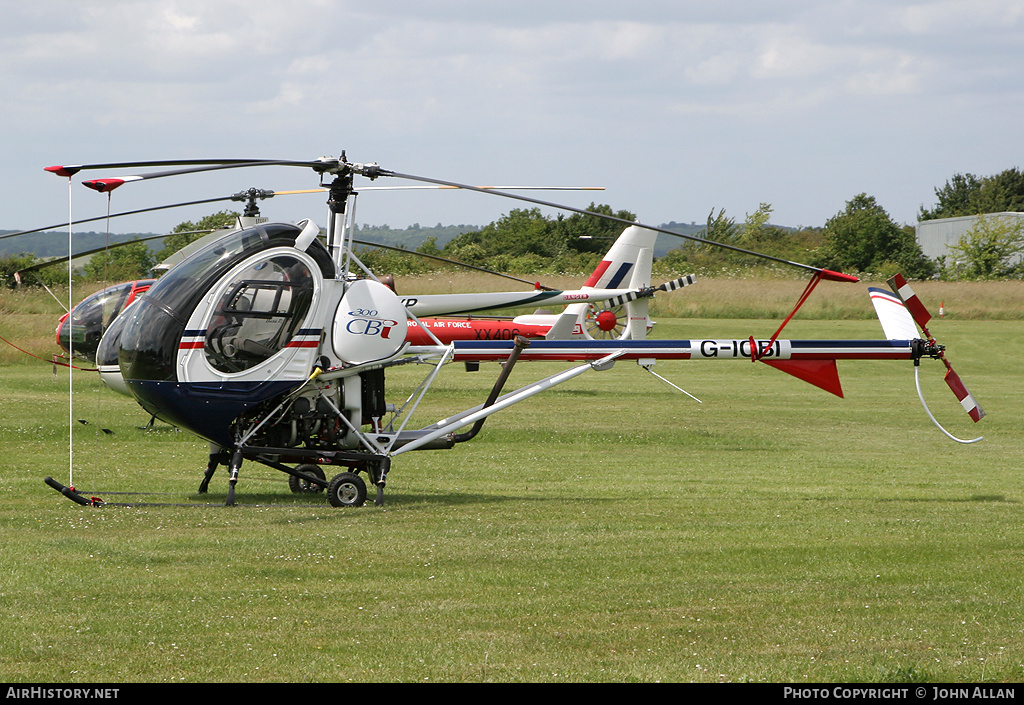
{"x":413,"y":236}
{"x":54,"y":243}
{"x":667,"y":242}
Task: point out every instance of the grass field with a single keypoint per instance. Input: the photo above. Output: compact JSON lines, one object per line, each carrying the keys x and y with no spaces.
{"x":609,"y":530}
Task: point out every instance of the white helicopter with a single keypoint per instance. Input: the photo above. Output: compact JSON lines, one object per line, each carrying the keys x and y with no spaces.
{"x":275,"y":346}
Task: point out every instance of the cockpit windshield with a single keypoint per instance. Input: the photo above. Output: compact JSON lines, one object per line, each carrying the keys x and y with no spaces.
{"x":149,"y":342}
{"x":259,"y":313}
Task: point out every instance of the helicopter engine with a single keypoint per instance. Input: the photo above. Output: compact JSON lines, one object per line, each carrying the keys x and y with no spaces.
{"x":313,"y":419}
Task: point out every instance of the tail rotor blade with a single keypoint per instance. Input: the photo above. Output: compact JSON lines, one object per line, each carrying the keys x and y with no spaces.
{"x":913,"y":304}
{"x":677,"y":283}
{"x":921,"y":317}
{"x":966,"y":399}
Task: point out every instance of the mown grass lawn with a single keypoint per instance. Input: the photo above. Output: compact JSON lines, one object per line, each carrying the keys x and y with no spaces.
{"x":610,"y":530}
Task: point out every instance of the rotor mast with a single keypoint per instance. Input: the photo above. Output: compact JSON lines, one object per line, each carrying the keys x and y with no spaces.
{"x":340,"y":193}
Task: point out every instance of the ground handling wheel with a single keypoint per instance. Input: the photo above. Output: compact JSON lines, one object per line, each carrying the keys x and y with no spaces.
{"x":346,"y":490}
{"x":301,"y":486}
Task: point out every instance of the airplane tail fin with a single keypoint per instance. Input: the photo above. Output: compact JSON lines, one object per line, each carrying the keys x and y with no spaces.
{"x":621,"y":264}
{"x":627,"y":264}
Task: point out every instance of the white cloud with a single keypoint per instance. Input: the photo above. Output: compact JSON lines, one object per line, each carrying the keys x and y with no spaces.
{"x":840,"y":97}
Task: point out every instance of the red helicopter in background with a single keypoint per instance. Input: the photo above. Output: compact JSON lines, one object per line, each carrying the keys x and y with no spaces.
{"x":80,"y":330}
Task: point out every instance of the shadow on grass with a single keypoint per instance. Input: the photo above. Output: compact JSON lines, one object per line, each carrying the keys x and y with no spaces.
{"x":995,"y":498}
{"x":973,"y":498}
{"x":265,"y":500}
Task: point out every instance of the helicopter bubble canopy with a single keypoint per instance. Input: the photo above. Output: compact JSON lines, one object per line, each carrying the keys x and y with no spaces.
{"x":82,"y":330}
{"x":234,"y":324}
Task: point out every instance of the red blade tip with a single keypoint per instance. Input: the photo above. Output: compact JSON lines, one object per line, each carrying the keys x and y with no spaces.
{"x":63,"y":170}
{"x":103,"y":185}
{"x":838,"y":276}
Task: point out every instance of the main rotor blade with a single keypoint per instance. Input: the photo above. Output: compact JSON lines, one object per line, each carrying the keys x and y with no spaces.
{"x":240,"y":196}
{"x":825,"y":273}
{"x":537,"y":285}
{"x":191,"y":164}
{"x":111,"y":183}
{"x":483,"y":188}
{"x":118,"y":215}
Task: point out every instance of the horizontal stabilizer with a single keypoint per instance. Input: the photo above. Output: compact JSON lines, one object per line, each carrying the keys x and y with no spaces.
{"x":821,"y":373}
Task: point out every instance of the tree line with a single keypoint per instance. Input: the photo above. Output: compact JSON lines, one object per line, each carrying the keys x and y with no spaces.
{"x":862,"y":239}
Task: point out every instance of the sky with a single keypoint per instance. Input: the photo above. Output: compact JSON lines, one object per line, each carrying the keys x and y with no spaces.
{"x":677,"y":108}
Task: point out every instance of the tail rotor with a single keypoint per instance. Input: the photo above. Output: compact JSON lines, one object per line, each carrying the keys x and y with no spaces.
{"x":894,"y":319}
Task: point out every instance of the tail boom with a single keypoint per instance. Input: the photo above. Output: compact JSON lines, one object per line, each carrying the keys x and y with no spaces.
{"x":709,"y":349}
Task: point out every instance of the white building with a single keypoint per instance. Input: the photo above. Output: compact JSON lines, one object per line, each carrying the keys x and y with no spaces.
{"x":936,"y":236}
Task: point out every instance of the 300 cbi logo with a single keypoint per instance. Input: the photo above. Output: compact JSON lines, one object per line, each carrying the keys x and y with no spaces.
{"x":365,"y":322}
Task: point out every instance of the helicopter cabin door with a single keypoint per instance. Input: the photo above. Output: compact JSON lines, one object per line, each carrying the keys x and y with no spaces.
{"x":256,"y":324}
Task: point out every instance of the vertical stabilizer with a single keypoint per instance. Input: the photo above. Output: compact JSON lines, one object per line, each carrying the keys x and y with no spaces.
{"x":627,"y":264}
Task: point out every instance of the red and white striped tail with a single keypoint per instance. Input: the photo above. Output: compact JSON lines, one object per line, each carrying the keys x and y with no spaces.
{"x":965,"y":398}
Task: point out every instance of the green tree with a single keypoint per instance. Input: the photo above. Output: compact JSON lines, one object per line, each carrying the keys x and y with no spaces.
{"x":525,"y":240}
{"x":429,"y":247}
{"x":187,"y":231}
{"x":721,"y":228}
{"x":863,"y":238}
{"x":9,"y":264}
{"x":579,"y":233}
{"x":967,"y":194}
{"x":126,"y":262}
{"x":987,"y":250}
{"x":755,"y":227}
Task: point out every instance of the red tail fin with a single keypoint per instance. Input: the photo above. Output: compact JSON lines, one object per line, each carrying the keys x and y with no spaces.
{"x":821,"y":373}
